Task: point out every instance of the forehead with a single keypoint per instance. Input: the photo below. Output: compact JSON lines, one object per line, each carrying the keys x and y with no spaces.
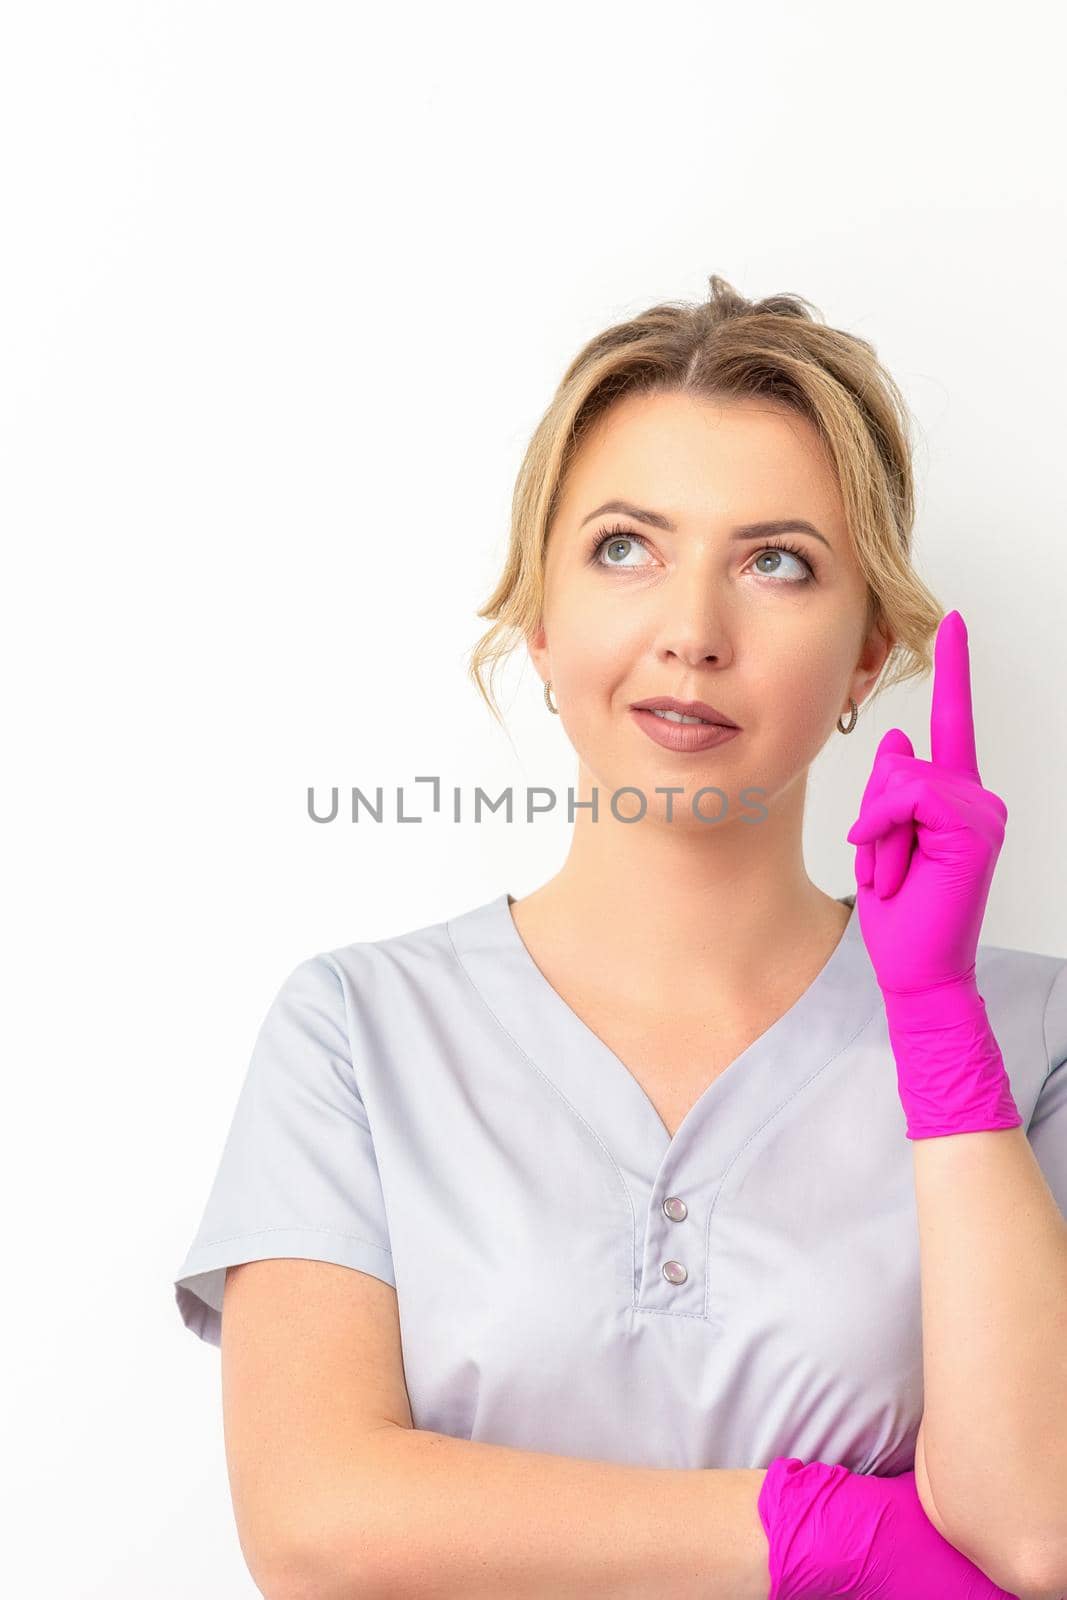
{"x":694,"y":458}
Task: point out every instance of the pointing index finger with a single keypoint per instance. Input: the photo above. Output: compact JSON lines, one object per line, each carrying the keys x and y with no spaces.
{"x":951,"y":714}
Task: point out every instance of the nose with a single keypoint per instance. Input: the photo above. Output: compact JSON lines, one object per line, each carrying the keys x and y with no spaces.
{"x":692,"y":626}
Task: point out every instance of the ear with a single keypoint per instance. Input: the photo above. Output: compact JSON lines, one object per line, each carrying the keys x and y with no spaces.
{"x":537,"y":648}
{"x":876,"y":647}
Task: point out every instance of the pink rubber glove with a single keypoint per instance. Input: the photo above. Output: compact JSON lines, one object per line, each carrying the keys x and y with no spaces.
{"x":855,"y":1537}
{"x":928,"y":838}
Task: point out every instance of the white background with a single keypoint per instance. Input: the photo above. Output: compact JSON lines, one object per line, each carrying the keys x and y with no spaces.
{"x":285,"y":289}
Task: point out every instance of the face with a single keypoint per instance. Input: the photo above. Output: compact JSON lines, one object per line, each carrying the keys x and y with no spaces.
{"x":773,"y":638}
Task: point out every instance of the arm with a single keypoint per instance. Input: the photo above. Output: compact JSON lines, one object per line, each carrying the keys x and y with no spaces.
{"x":993,"y":1244}
{"x":431,"y":1517}
{"x":339,"y":1497}
{"x":993,"y":1250}
{"x":458,"y":1519}
{"x":1027,"y":1591}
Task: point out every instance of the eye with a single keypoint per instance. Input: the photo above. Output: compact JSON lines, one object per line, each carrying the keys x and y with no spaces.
{"x":617,"y":540}
{"x":787,"y":549}
{"x":613,"y":539}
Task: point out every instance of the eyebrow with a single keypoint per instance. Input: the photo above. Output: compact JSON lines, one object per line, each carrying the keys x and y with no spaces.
{"x":744,"y":530}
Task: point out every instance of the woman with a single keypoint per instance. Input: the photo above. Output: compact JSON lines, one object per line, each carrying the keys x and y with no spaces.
{"x":631,"y":1151}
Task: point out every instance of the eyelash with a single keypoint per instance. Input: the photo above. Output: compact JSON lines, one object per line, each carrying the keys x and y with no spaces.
{"x":618,"y":532}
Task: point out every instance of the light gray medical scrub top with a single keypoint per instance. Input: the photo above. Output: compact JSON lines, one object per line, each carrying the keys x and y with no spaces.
{"x":428,"y":1109}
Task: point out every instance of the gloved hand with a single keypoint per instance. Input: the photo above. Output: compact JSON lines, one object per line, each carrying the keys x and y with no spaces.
{"x":835,"y":1532}
{"x":928,"y":836}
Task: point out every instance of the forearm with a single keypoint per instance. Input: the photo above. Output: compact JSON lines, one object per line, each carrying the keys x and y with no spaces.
{"x":458,"y":1519}
{"x":993,"y":1252}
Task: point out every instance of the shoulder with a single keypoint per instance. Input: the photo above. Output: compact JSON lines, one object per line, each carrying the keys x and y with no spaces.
{"x":1025,"y":990}
{"x":1056,"y":1017}
{"x":384,"y":984}
{"x":326,"y":990}
{"x":369,"y":959}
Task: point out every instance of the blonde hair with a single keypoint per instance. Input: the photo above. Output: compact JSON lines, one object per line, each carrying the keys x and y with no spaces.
{"x":730,"y":347}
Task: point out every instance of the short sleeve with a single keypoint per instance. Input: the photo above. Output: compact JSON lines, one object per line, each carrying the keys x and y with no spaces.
{"x":1047,"y":1131}
{"x":298,"y":1174}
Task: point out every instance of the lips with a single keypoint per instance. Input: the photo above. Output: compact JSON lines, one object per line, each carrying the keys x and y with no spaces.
{"x":686,"y":708}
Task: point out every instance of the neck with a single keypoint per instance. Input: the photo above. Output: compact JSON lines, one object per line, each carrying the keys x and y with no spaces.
{"x":672,"y":913}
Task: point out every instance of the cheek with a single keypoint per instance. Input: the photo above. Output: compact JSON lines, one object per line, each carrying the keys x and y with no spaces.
{"x":799,"y":700}
{"x":809,"y":688}
{"x":593,"y":651}
{"x":807,"y":665}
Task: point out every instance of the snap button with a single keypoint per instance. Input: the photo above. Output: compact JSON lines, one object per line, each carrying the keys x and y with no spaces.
{"x":676,"y":1209}
{"x":674,"y":1272}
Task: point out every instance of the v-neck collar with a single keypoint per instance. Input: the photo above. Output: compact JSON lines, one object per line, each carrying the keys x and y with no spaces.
{"x":837,"y":1004}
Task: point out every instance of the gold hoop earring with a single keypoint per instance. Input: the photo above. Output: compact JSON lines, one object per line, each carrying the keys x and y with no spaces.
{"x":853,"y":715}
{"x":548,"y":699}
